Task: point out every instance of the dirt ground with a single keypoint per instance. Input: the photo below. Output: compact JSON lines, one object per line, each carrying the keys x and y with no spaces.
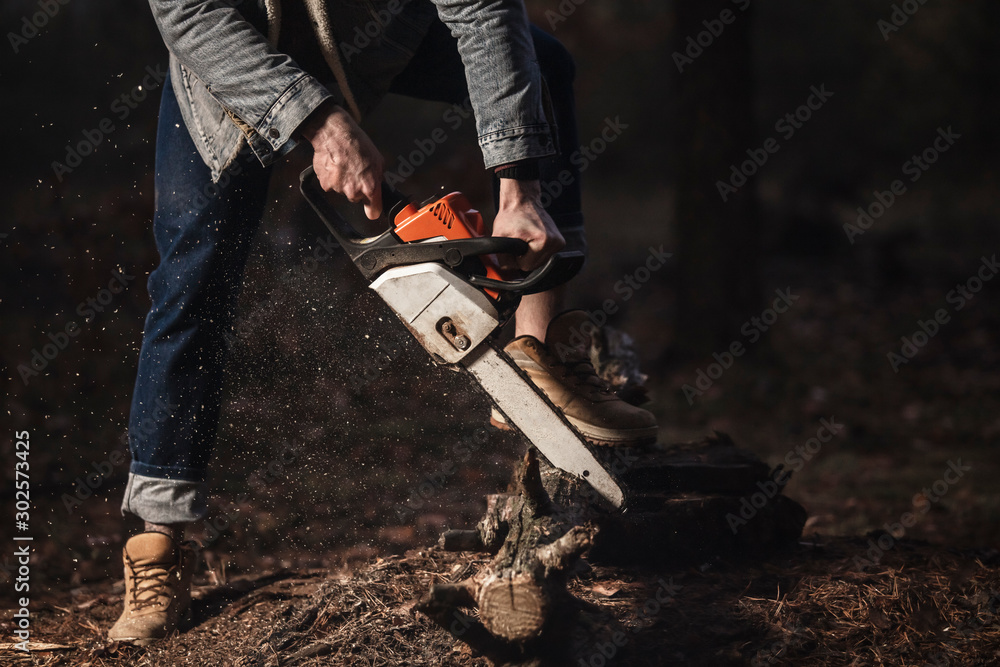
{"x":812,"y":605}
{"x":332,"y":475}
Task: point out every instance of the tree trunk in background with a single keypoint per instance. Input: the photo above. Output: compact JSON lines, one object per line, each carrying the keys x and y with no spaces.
{"x":718,"y":241}
{"x":988,"y":61}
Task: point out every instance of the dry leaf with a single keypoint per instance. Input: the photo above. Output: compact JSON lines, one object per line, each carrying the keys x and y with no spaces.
{"x":604,"y":590}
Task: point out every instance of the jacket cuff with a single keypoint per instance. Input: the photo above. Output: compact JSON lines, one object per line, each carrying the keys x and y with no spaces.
{"x":517,"y":143}
{"x":274,"y":136}
{"x":523,"y":170}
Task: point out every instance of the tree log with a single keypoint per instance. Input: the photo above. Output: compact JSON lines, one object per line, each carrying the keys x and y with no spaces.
{"x":687,"y":502}
{"x":537,"y":539}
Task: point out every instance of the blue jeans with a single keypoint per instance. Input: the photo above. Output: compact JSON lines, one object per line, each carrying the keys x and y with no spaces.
{"x":203,"y":232}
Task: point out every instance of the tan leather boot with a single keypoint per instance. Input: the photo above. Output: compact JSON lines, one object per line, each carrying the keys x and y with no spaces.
{"x":157,"y":588}
{"x":561,"y":368}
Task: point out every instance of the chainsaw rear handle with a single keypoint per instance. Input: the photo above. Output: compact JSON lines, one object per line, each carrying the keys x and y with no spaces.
{"x":559,"y":269}
{"x":374,"y":254}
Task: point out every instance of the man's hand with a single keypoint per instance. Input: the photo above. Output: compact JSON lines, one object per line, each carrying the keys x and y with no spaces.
{"x":521,"y":216}
{"x":344,"y":158}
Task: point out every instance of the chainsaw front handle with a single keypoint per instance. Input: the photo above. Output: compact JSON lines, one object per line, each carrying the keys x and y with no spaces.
{"x":374,"y":254}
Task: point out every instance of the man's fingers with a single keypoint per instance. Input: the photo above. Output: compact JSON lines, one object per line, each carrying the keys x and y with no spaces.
{"x":325,"y":181}
{"x":352,"y":194}
{"x":540,"y":250}
{"x":373,"y":206}
{"x":329,"y":176}
{"x":347,"y":162}
{"x":530,"y":261}
{"x":509,"y":262}
{"x":367,"y":192}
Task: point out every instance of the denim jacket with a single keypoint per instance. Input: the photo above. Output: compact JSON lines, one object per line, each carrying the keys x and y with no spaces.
{"x":235,"y":86}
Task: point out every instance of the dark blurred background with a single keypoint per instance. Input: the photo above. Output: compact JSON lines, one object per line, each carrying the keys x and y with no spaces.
{"x":321,"y":369}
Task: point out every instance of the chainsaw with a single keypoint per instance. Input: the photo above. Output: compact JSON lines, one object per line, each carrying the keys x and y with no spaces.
{"x":436,"y":268}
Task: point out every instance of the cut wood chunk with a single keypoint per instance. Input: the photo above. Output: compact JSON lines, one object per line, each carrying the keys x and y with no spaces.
{"x":514,"y":607}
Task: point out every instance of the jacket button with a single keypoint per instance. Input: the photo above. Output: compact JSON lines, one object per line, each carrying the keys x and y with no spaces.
{"x":273,"y":133}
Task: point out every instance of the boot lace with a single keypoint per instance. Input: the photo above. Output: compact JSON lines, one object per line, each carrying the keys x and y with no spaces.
{"x":156,"y":580}
{"x":579,"y":371}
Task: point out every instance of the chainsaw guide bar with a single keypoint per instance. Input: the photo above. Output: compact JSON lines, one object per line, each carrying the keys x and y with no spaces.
{"x":435,"y":267}
{"x":529,"y":410}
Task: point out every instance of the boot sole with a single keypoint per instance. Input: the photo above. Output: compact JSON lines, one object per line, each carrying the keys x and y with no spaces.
{"x":595,"y":435}
{"x":144,"y":643}
{"x":185,"y":620}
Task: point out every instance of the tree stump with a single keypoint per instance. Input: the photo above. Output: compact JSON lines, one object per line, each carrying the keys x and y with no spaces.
{"x":687,"y":502}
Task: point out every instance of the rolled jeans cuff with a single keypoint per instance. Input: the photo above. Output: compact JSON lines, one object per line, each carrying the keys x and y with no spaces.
{"x":165,"y":500}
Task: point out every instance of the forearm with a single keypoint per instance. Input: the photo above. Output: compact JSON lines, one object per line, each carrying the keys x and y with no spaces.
{"x":264,"y":91}
{"x":505,"y":88}
{"x":515,"y":193}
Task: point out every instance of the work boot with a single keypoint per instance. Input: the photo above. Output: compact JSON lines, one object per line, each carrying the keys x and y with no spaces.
{"x":157,"y":588}
{"x":561,"y":368}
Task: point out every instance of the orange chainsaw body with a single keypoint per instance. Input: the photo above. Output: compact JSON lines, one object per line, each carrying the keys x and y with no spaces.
{"x":451,"y":217}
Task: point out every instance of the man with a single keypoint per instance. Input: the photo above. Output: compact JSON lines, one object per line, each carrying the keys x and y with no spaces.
{"x":250,"y":75}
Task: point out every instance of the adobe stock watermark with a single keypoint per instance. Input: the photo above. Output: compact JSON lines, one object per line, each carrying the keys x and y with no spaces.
{"x":257,"y":482}
{"x":562,"y":13}
{"x":696,"y":44}
{"x":60,"y":340}
{"x":629,"y":284}
{"x":753,"y":329}
{"x":922,"y":503}
{"x":287,"y":285}
{"x":786,"y":126}
{"x":406,"y":165}
{"x":794,"y":460}
{"x":914,"y":168}
{"x":363,"y":37}
{"x":88,"y":483}
{"x":984,"y":616}
{"x":370,"y":370}
{"x":32,"y":24}
{"x":769,"y":655}
{"x":582,"y":158}
{"x":213,"y":189}
{"x":899,"y":17}
{"x":91,"y":481}
{"x":605,"y":652}
{"x":927,"y":329}
{"x":433,"y":483}
{"x":120,"y":108}
{"x":617,"y":463}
